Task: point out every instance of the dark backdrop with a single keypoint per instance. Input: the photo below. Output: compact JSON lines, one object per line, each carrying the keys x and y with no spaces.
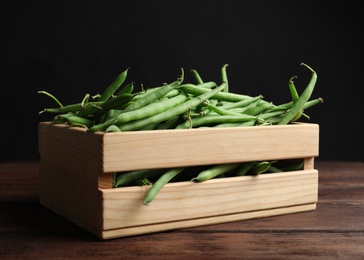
{"x":73,"y":48}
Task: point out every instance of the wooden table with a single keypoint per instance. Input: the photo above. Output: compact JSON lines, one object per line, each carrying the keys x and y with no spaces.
{"x":335,"y":230}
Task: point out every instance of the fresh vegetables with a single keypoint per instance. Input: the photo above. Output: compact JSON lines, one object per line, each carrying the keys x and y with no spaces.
{"x":181,"y":105}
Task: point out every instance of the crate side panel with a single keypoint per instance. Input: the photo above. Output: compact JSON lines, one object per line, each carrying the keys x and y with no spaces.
{"x":123,"y":207}
{"x":67,"y":193}
{"x":71,"y":148}
{"x":152,"y":228}
{"x":189,"y":147}
{"x":70,"y":163}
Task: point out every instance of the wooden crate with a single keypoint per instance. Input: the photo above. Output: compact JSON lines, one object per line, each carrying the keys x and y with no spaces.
{"x":76,"y":176}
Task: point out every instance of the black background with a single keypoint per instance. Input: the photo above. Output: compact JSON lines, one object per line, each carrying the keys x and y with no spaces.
{"x":73,"y":48}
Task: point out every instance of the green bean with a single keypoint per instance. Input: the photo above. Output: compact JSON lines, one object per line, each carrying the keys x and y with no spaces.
{"x":224,"y":78}
{"x":221,"y":96}
{"x":222,"y":111}
{"x":69,"y":108}
{"x":239,"y":110}
{"x":126,"y":178}
{"x":242,"y":103}
{"x":300,"y":102}
{"x":153,"y":96}
{"x":141,"y":182}
{"x":144,"y":92}
{"x":287,"y":106}
{"x":111,"y":114}
{"x":268,"y":115}
{"x":213,"y":120}
{"x":286,"y":165}
{"x":117,"y":102}
{"x":172,"y":93}
{"x":51,"y":96}
{"x":281,"y":107}
{"x":308,"y":104}
{"x":197,"y":76}
{"x":85,"y":99}
{"x":205,"y":110}
{"x":293,"y":166}
{"x":158,"y":185}
{"x":172,"y":112}
{"x":260,"y":167}
{"x":109,"y":91}
{"x":169,"y":123}
{"x":128,"y":89}
{"x":206,"y":85}
{"x":141,"y":113}
{"x":242,"y":110}
{"x":274,"y":169}
{"x":244,"y":168}
{"x":250,"y":123}
{"x":295,"y":96}
{"x":259,"y":108}
{"x":151,"y":109}
{"x":149,"y":127}
{"x":112,"y":128}
{"x":292,"y":89}
{"x":214,"y":171}
{"x":313,"y":102}
{"x":75,"y":120}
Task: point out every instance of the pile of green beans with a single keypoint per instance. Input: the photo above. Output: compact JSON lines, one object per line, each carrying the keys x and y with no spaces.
{"x":184,"y":105}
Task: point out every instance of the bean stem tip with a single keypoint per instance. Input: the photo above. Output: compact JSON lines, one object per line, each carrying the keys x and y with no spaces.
{"x":304,"y":64}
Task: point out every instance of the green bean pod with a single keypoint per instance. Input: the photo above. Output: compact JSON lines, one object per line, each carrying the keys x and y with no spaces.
{"x":214,"y":171}
{"x":259,"y":108}
{"x":244,"y":168}
{"x":108,"y":92}
{"x":153,"y":96}
{"x":141,"y":113}
{"x":313,"y":102}
{"x":224,"y":77}
{"x":128,"y":89}
{"x":222,"y":111}
{"x":206,"y":85}
{"x":292,"y":89}
{"x":242,"y":103}
{"x":70,"y":108}
{"x":123,"y":179}
{"x":197,"y":76}
{"x":260,"y":167}
{"x":158,"y":185}
{"x":169,"y":123}
{"x":117,"y":103}
{"x":295,"y":96}
{"x":300,"y":102}
{"x":75,"y":120}
{"x":209,"y":120}
{"x":112,"y":128}
{"x":51,"y":96}
{"x":221,"y":96}
{"x":172,"y":112}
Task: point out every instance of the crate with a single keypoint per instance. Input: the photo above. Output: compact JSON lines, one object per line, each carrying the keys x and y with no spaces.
{"x":76,"y":171}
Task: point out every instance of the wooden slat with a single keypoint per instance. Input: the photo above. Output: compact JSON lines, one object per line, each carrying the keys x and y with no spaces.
{"x":188,"y":223}
{"x":123,"y":207}
{"x":173,"y":148}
